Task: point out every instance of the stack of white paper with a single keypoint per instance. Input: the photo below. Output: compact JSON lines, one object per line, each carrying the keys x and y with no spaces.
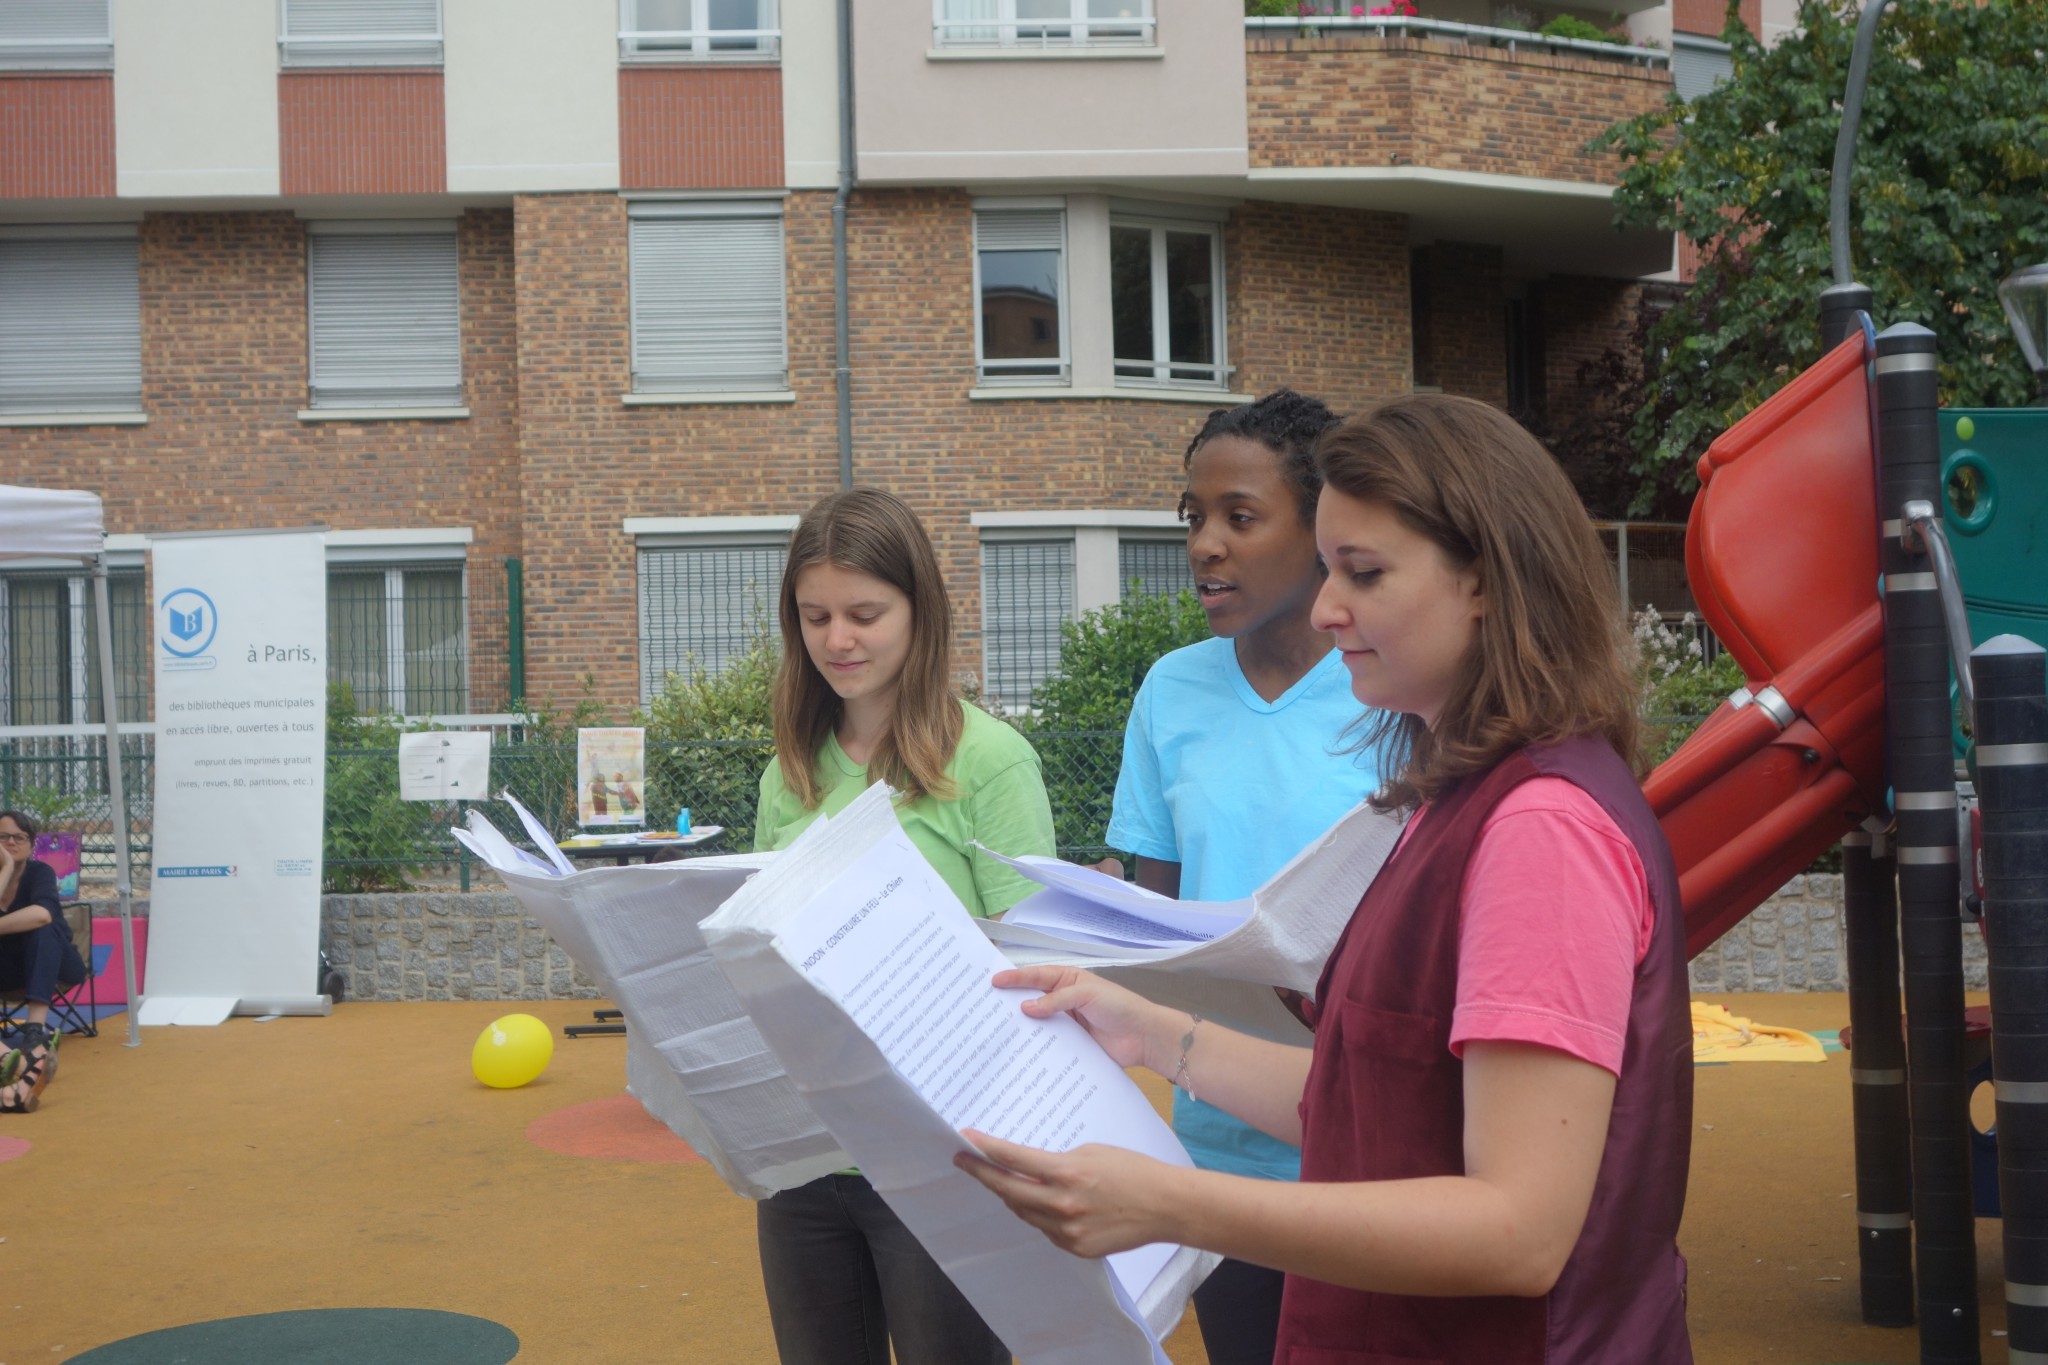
{"x":1217,"y":958}
{"x":868,"y":977}
{"x":693,"y":1059}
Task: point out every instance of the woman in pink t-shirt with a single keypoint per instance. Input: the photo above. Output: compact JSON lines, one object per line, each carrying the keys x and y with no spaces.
{"x":1495,"y":1117}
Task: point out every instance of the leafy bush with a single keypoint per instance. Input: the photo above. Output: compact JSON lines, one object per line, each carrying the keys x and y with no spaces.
{"x":52,"y":807}
{"x":1078,"y":725}
{"x":1681,"y":686}
{"x":1571,"y":26}
{"x":373,"y":838}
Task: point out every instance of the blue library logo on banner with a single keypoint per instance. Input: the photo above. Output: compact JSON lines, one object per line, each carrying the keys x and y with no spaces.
{"x":185,"y":624}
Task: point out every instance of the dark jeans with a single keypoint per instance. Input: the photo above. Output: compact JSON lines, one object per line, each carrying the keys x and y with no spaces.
{"x":1238,"y":1307}
{"x":845,"y":1278}
{"x":40,"y":961}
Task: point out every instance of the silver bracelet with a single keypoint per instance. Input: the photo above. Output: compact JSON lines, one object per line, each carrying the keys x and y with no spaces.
{"x":1187,"y":1042}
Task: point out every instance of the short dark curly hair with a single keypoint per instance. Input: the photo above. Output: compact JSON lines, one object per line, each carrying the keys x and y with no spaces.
{"x":1284,"y":422}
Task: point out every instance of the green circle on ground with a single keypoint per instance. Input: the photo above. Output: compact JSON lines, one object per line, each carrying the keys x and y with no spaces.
{"x":319,"y":1336}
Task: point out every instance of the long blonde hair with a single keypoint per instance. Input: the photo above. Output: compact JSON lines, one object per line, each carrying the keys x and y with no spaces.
{"x":1552,"y":658}
{"x":867,"y":530}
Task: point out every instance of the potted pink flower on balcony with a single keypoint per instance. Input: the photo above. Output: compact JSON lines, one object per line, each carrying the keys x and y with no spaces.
{"x":1398,"y":9}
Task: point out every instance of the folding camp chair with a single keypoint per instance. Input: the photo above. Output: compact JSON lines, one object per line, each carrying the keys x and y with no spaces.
{"x":73,"y":1009}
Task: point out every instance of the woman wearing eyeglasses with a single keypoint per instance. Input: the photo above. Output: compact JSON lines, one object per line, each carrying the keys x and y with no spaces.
{"x":37,"y":958}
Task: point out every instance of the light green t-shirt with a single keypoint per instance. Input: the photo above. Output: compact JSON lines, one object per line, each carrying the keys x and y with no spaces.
{"x":999,"y":800}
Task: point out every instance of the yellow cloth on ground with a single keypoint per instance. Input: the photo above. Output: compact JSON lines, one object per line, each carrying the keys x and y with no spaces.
{"x":1718,"y":1036}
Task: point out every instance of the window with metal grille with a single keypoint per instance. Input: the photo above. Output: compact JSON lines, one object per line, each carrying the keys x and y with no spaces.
{"x":56,"y":35}
{"x":1166,"y":302}
{"x":385,"y":305}
{"x":1020,"y":286}
{"x":708,"y":307}
{"x":697,"y":30}
{"x":50,"y":650}
{"x":1041,"y":23}
{"x":1153,"y":566}
{"x":360,"y":32}
{"x":1027,"y":594}
{"x":70,"y":320}
{"x":398,"y":635}
{"x":702,"y":604}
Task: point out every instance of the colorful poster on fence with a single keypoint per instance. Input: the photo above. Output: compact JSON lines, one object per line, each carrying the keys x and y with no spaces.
{"x":240,"y":642}
{"x":611,"y":776}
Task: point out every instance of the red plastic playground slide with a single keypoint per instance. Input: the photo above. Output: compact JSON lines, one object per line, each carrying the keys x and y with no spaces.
{"x":1782,"y":554}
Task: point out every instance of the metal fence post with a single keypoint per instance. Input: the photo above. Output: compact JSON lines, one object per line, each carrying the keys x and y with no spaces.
{"x":515,"y":629}
{"x":1877,"y":1076}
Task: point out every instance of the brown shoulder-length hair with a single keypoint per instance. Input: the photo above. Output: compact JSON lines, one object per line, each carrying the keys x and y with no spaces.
{"x":1552,"y":657}
{"x":873,"y":532}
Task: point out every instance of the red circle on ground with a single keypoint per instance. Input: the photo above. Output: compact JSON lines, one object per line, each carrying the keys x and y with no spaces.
{"x":12,"y":1147}
{"x":615,"y":1129}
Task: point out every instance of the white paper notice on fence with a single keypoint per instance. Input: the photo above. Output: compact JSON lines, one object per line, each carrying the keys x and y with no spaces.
{"x":712,"y":1080}
{"x":1217,"y":958}
{"x":444,"y":765}
{"x":240,"y":644}
{"x":870,"y":981}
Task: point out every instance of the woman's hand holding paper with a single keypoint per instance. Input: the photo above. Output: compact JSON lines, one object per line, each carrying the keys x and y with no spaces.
{"x":1093,"y":1201}
{"x":1130,"y":1028}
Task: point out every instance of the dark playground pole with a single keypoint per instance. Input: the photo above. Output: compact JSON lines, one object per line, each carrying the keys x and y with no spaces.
{"x":2012,"y":786}
{"x":1877,"y":1074}
{"x":1919,"y":745}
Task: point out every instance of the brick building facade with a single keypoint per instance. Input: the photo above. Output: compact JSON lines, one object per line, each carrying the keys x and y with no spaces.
{"x":613,"y":249}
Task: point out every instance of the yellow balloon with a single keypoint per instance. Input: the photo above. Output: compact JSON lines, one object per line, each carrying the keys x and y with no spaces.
{"x":512,"y":1051}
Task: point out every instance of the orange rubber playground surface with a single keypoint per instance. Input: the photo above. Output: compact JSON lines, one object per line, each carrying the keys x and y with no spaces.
{"x":346,"y":1179}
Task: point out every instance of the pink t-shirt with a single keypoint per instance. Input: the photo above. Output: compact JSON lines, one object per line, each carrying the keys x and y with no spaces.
{"x":1554,"y":919}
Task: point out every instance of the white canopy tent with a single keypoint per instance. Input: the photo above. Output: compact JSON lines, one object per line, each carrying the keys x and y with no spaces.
{"x":48,"y":523}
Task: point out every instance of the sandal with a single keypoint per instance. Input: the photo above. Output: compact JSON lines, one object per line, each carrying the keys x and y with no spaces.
{"x":20,"y":1097}
{"x":39,"y":1049}
{"x":11,"y":1066}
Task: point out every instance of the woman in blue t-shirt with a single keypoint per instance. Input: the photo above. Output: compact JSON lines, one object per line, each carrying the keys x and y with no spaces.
{"x":1235,"y":757}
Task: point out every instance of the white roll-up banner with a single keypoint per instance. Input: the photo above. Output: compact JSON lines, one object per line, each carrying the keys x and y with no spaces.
{"x":241,"y":745}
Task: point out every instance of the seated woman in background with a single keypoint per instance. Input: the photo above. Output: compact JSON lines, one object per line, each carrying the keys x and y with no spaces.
{"x":37,"y":959}
{"x":862,"y":696}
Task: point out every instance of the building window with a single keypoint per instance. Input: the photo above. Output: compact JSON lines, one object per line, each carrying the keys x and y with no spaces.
{"x":397,"y":634}
{"x":386,"y":315}
{"x":49,"y":636}
{"x":1041,"y":569}
{"x":1153,"y":566}
{"x":1166,"y":302}
{"x":1027,"y":594}
{"x":704,"y":600}
{"x":697,"y":30}
{"x":70,"y":320}
{"x":1698,"y":64}
{"x":360,"y":32}
{"x":56,"y":35}
{"x":708,"y":308}
{"x":1041,"y":23}
{"x":1019,"y":284}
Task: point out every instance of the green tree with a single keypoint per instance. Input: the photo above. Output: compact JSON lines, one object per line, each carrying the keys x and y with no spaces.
{"x":1946,"y":197}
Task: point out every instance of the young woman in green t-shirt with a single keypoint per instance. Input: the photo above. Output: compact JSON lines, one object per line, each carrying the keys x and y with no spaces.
{"x":862,"y":695}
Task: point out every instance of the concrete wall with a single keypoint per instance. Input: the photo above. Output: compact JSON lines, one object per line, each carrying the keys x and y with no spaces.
{"x":195,"y":97}
{"x":532,"y":91}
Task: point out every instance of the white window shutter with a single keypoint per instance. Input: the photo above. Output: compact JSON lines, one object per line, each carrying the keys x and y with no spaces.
{"x":70,"y":324}
{"x":708,"y":302}
{"x":1019,"y":229}
{"x":362,"y":32}
{"x":386,"y":319}
{"x":56,"y":35}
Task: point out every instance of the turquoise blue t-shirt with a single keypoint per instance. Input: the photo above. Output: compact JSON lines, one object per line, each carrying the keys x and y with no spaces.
{"x":1231,"y":786}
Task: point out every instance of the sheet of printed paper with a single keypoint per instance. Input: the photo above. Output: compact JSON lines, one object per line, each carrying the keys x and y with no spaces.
{"x":858,"y":927}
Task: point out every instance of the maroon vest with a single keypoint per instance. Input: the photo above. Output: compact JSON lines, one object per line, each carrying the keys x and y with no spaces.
{"x":1385,"y":1101}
